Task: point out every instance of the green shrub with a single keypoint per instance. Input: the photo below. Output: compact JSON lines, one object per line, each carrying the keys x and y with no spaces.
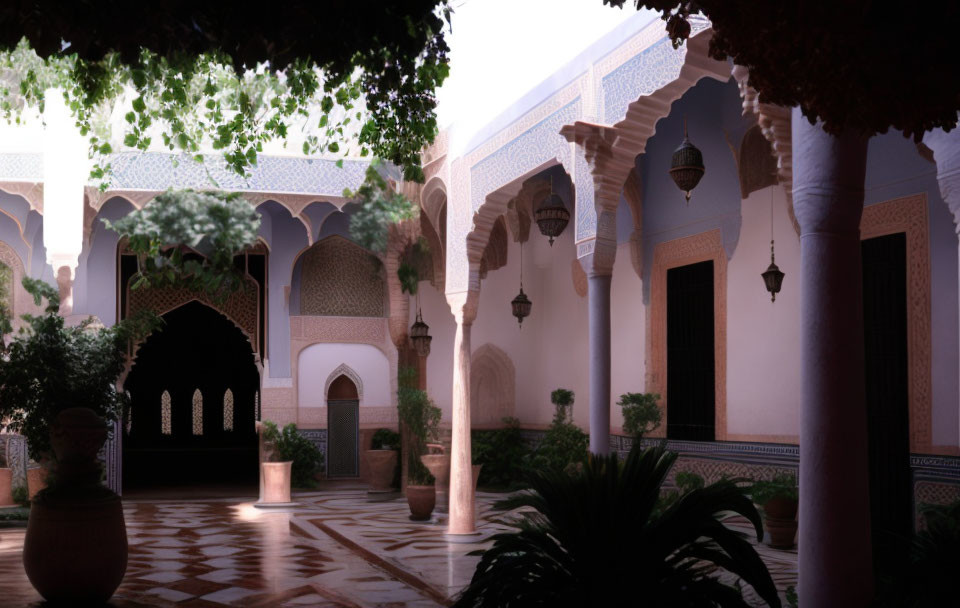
{"x":21,"y":496}
{"x":421,"y":418}
{"x":641,"y":414}
{"x":783,"y":485}
{"x":501,"y":452}
{"x":686,"y":482}
{"x":290,"y":445}
{"x":564,"y":445}
{"x":385,"y":439}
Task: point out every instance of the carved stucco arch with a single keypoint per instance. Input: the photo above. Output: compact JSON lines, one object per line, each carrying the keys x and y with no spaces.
{"x":32,"y":192}
{"x":344,"y":370}
{"x":490,"y":364}
{"x":132,"y":359}
{"x":21,"y":301}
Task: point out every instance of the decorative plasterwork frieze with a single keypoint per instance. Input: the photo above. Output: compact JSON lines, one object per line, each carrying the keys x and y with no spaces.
{"x":775,"y":124}
{"x":706,"y":246}
{"x":909,"y":215}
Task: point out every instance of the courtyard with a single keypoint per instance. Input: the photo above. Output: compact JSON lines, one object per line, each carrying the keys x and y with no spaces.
{"x":334,"y":549}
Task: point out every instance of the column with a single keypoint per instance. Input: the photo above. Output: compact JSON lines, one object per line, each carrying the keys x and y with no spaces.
{"x":946,"y":153}
{"x":462,"y":515}
{"x":835,"y":552}
{"x":598,"y":294}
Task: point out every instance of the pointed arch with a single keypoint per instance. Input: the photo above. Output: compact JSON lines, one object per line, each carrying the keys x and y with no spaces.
{"x":344,"y":370}
{"x":228,"y":410}
{"x":197,"y":412}
{"x":492,"y":386}
{"x":166,"y":422}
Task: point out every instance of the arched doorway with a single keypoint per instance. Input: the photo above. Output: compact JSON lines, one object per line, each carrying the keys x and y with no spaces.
{"x":343,"y":428}
{"x":193,"y":389}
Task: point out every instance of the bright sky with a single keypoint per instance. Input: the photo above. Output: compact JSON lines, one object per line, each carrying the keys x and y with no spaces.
{"x":501,"y":49}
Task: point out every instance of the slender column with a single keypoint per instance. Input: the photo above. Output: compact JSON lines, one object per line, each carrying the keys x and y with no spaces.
{"x":946,"y":153}
{"x":835,"y":553}
{"x":462,"y":514}
{"x":598,"y":293}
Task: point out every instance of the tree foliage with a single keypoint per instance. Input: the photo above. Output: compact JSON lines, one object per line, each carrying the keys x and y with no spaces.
{"x":641,"y":414}
{"x":595,"y":539}
{"x":212,"y":72}
{"x":214,"y":225}
{"x":48,"y":367}
{"x":379,"y":206}
{"x":861,"y":66}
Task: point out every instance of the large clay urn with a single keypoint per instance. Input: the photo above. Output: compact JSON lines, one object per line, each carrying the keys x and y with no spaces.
{"x":439,"y":467}
{"x":6,"y":487}
{"x":421,"y":499}
{"x":36,"y":481}
{"x":381,"y":465}
{"x":75,"y":549}
{"x":780,"y":516}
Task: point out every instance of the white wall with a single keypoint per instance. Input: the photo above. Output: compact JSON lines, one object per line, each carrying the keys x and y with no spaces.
{"x":628,"y":372}
{"x":436,"y":314}
{"x":317,"y":362}
{"x":763,"y":337}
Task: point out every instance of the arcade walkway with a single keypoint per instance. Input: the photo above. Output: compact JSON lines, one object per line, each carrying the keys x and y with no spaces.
{"x":335,"y":549}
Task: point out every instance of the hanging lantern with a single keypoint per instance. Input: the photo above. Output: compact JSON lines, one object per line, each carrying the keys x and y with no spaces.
{"x":552,"y":216}
{"x":686,"y":167}
{"x":420,"y":336}
{"x":773,"y":277}
{"x":521,"y":306}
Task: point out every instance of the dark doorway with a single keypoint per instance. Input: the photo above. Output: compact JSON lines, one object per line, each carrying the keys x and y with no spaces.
{"x":885,"y":347}
{"x":343,"y":428}
{"x":690,"y":353}
{"x":193,"y":390}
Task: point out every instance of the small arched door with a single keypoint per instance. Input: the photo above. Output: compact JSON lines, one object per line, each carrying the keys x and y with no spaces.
{"x":343,"y":428}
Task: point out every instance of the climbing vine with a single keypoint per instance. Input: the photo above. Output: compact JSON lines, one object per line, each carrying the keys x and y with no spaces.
{"x":189,"y":239}
{"x":371,"y":93}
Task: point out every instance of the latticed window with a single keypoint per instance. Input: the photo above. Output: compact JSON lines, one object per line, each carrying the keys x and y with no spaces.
{"x":228,"y":410}
{"x":197,"y":412}
{"x":256,"y":403}
{"x":166,"y":426}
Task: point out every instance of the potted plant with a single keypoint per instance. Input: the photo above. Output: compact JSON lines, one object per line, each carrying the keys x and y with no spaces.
{"x":58,"y":389}
{"x":290,"y":460}
{"x":382,"y":460}
{"x":420,"y":418}
{"x":641,"y":414}
{"x":778,"y":498}
{"x":6,"y":482}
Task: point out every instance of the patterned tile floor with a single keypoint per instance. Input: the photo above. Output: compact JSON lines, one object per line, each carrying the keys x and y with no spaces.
{"x":334,"y":549}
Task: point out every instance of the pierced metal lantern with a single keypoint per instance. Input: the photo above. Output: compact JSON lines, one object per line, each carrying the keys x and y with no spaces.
{"x":521,"y":306}
{"x":773,"y":277}
{"x":420,"y":336}
{"x":686,"y":167}
{"x":552,"y":216}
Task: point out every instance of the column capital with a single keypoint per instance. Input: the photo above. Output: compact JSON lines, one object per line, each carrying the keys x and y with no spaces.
{"x":828,"y":177}
{"x":608,"y":162}
{"x":946,"y":154}
{"x":464,"y":306}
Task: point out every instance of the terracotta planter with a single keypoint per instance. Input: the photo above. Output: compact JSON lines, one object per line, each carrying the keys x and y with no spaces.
{"x":6,"y":487}
{"x":75,"y":549}
{"x":421,"y":499}
{"x":276,"y":481}
{"x":439,"y":467}
{"x":36,"y":481}
{"x":780,"y":520}
{"x":381,"y":464}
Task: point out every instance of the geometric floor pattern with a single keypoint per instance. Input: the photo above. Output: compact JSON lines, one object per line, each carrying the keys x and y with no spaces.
{"x":334,"y":549}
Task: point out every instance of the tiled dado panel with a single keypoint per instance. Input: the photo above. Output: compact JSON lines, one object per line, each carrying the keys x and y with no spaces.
{"x":319,"y":438}
{"x":936,"y":479}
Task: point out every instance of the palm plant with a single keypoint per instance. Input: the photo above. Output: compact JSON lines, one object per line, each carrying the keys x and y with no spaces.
{"x":595,"y":540}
